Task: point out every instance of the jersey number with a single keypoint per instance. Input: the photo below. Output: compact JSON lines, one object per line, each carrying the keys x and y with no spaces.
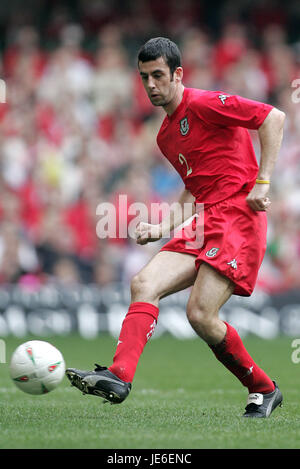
{"x":182,"y":160}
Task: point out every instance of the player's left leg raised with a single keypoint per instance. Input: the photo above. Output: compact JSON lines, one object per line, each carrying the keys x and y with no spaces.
{"x":166,"y":273}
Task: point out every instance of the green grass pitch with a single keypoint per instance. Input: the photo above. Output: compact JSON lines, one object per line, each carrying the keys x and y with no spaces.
{"x":182,"y":397}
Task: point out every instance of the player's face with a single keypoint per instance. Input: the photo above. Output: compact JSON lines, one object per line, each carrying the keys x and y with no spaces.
{"x":159,"y":84}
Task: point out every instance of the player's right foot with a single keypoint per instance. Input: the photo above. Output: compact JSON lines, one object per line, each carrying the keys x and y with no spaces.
{"x":100,"y":382}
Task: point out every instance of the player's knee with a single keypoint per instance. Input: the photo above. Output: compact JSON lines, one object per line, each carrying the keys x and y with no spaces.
{"x":137,"y":284}
{"x":201,"y":319}
{"x":142,"y":287}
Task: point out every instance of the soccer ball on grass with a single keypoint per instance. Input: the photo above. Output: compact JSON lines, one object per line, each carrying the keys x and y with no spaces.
{"x":37,"y":367}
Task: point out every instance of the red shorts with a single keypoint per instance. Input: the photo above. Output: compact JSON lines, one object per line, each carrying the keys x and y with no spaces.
{"x":234,"y":241}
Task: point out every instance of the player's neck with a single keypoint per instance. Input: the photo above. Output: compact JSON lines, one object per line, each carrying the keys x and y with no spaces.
{"x":172,"y":105}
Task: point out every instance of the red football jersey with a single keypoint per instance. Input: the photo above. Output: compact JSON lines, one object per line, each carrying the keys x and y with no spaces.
{"x":207,"y":141}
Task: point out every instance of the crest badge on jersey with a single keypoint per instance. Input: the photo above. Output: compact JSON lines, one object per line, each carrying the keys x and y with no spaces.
{"x":184,"y":126}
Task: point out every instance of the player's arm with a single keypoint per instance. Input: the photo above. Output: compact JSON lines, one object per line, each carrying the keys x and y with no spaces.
{"x":233,"y":110}
{"x":178,"y":214}
{"x":270,"y":136}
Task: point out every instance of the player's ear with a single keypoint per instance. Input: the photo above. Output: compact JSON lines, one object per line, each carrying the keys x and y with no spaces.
{"x":178,"y":74}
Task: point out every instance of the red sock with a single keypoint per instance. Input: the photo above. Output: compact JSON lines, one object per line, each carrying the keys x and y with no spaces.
{"x":137,"y":328}
{"x":232,"y":353}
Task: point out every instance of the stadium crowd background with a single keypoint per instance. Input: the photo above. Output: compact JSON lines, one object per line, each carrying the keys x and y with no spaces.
{"x":78,"y":130}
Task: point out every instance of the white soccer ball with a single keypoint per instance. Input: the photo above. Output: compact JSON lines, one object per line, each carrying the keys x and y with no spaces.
{"x":37,"y":367}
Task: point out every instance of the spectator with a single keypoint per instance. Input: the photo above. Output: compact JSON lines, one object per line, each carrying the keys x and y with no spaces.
{"x":78,"y":130}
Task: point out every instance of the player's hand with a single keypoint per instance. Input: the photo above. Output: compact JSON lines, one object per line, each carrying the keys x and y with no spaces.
{"x":258,"y":199}
{"x":145,"y":233}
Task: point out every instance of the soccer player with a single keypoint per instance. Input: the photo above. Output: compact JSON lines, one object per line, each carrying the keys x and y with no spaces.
{"x":204,"y":135}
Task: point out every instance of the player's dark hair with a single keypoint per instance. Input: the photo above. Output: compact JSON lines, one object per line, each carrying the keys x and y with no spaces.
{"x":161,"y":47}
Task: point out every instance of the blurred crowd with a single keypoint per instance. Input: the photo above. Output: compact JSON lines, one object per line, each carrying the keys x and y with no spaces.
{"x":77,"y":131}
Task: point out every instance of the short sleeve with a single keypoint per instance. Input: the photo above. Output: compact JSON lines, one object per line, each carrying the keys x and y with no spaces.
{"x":227,"y":110}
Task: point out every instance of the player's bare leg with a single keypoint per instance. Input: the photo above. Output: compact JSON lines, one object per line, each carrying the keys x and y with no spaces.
{"x":166,"y":273}
{"x":210,"y":291}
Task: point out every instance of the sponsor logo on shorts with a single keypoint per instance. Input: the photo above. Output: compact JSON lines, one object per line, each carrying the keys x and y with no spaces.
{"x":212,"y":252}
{"x":223,"y":98}
{"x":184,"y":126}
{"x":233,"y":264}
